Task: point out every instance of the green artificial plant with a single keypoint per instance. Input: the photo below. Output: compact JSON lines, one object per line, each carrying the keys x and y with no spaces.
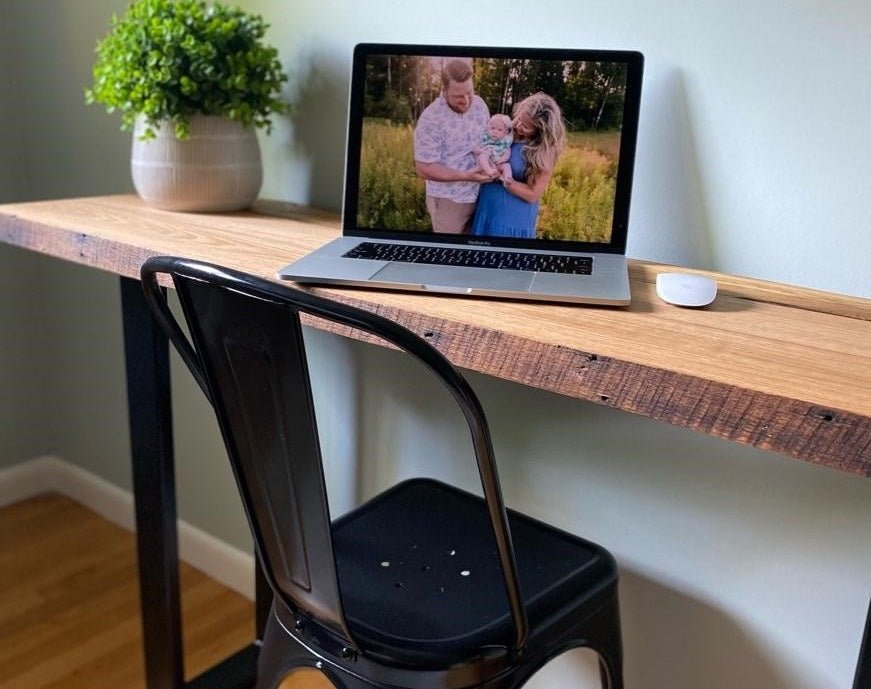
{"x":167,"y":60}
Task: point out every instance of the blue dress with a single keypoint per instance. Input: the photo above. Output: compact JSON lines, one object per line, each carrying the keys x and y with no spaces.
{"x":500,"y":213}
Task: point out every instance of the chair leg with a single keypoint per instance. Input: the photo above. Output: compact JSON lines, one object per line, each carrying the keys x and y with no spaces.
{"x":345,"y":681}
{"x":601,"y":633}
{"x":605,"y":640}
{"x":280,"y":655}
{"x":610,"y":680}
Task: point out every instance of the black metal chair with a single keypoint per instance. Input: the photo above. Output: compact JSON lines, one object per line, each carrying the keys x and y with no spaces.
{"x":424,"y":585}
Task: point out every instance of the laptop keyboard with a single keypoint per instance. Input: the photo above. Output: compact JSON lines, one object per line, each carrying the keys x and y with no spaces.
{"x":473,"y":258}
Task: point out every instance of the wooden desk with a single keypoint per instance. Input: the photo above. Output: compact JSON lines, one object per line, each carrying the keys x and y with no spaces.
{"x":777,"y":367}
{"x":767,"y":365}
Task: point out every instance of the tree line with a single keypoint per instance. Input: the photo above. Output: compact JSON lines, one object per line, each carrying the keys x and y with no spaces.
{"x":590,"y":94}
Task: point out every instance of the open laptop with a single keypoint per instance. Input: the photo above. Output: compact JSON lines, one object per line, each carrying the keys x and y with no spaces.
{"x":489,"y":238}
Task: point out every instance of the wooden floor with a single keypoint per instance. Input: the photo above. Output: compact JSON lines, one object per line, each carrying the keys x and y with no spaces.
{"x":69,"y":604}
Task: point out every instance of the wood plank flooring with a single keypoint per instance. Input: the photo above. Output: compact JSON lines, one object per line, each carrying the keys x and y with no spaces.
{"x":69,"y":604}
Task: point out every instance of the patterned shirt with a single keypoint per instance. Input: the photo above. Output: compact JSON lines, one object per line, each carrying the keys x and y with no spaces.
{"x":449,"y":138}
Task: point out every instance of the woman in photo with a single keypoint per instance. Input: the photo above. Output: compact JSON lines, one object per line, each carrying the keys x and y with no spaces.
{"x":509,"y":207}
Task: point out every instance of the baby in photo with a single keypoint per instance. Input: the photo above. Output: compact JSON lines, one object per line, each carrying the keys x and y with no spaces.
{"x":494,"y":150}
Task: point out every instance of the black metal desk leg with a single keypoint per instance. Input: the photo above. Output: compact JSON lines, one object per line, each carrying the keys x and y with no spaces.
{"x":147,"y":365}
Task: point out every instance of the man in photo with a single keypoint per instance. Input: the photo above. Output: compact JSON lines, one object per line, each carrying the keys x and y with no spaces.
{"x":445,"y":138}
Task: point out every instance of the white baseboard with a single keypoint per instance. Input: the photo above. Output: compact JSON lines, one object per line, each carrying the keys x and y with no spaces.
{"x":222,"y":562}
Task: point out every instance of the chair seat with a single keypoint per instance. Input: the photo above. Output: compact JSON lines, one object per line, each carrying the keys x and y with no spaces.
{"x":420,"y":579}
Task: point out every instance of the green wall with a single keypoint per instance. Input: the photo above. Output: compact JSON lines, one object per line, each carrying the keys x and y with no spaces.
{"x":728,"y":555}
{"x":21,"y":384}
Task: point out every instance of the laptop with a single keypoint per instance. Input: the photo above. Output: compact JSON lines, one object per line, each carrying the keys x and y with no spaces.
{"x":537,"y":226}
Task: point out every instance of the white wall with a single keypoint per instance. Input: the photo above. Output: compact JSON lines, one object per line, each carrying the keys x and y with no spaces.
{"x":60,"y":370}
{"x":740,"y":569}
{"x":71,"y":149}
{"x":752,"y":153}
{"x":20,"y":435}
{"x":13,"y":171}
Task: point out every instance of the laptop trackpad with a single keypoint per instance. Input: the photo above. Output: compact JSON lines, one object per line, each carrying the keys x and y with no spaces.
{"x":454,"y":276}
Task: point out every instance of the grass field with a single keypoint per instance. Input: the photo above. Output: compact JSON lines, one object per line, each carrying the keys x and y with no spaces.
{"x":576,"y":205}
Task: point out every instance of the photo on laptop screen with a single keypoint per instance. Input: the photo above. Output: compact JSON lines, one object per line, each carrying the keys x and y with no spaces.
{"x":481,"y":171}
{"x":552,"y":123}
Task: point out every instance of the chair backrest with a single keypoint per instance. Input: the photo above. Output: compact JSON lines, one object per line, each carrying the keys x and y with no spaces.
{"x":247,"y":353}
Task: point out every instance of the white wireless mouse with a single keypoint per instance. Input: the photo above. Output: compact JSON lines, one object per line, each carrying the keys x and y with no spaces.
{"x":685,"y":289}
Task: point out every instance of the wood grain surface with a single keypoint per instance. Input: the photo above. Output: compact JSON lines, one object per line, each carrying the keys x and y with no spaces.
{"x":773,"y":366}
{"x":69,"y":605}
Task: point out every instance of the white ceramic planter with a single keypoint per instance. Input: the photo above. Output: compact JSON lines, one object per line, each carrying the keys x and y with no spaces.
{"x":218,"y":168}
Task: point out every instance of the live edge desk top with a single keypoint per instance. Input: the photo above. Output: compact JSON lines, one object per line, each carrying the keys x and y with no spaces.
{"x":776,"y":367}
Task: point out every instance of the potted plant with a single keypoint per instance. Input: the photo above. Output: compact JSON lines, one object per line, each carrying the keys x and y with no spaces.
{"x":193,"y":81}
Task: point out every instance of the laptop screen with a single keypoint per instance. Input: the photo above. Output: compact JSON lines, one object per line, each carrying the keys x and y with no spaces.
{"x":492,"y":146}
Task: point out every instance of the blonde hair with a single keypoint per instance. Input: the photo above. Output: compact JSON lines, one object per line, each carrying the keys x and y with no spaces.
{"x":545,"y":145}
